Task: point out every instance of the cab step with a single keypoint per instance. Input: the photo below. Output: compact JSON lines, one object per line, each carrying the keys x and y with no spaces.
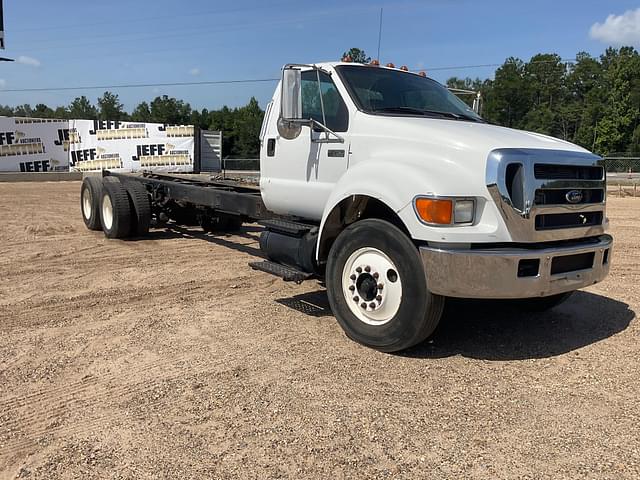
{"x":288,"y":274}
{"x":287,"y":227}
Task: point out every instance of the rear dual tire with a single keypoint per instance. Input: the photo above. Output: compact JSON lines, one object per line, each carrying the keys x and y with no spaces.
{"x":116,"y":210}
{"x":120,"y":210}
{"x":377,"y":287}
{"x":90,"y":197}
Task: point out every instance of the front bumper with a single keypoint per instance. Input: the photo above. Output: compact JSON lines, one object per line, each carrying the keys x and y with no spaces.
{"x":498,"y":272}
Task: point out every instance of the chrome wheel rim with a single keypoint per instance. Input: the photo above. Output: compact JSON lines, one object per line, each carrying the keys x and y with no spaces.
{"x":86,"y":204}
{"x":107,"y":212}
{"x":371,"y":286}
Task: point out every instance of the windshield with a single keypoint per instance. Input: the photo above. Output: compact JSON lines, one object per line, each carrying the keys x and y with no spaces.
{"x":381,"y":90}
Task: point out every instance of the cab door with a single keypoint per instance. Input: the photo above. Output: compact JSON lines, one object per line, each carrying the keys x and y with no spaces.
{"x":300,"y":172}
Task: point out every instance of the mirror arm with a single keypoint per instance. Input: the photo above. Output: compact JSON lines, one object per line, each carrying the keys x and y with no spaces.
{"x":337,"y":139}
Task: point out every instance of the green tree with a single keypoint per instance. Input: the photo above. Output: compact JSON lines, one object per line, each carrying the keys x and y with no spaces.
{"x":110,"y":107}
{"x":170,"y":110}
{"x":357,"y":55}
{"x":507,"y":98}
{"x":42,"y":111}
{"x":23,"y":111}
{"x":82,"y":109}
{"x":142,"y":113}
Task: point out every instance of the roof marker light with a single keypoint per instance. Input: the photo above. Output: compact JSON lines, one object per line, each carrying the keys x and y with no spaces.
{"x":391,"y":65}
{"x":404,"y":68}
{"x":347,"y":59}
{"x":374,"y":63}
{"x":422,"y":73}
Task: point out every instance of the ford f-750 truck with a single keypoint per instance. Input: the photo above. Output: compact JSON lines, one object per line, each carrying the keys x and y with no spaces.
{"x":396,"y":193}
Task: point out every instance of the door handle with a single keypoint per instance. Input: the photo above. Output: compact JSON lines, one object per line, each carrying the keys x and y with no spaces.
{"x":271,"y":147}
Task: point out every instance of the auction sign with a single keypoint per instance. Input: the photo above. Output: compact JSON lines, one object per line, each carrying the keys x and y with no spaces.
{"x":44,"y":145}
{"x":130,"y":146}
{"x":33,"y":145}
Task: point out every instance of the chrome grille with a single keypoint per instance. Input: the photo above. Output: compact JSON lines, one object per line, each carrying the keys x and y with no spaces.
{"x":548,"y":171}
{"x":546,"y":195}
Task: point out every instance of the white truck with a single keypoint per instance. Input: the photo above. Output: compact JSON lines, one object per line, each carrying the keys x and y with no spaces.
{"x":396,"y":193}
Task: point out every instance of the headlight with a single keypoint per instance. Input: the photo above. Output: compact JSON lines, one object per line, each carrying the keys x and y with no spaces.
{"x":445,"y":211}
{"x":463,"y":211}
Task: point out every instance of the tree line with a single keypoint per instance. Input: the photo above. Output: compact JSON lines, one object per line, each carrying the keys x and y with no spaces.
{"x":594,"y":102}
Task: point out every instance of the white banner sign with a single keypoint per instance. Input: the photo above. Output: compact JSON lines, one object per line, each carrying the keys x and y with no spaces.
{"x":130,"y":146}
{"x":33,"y":145}
{"x":42,"y":145}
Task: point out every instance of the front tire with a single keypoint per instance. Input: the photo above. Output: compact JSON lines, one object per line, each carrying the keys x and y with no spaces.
{"x":377,"y":287}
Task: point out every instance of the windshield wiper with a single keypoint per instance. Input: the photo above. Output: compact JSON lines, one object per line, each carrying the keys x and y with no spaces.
{"x":457,"y":116}
{"x":402,"y":110}
{"x":420,"y":111}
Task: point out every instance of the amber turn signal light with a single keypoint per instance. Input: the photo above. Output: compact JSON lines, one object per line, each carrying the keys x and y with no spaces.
{"x":435,"y":210}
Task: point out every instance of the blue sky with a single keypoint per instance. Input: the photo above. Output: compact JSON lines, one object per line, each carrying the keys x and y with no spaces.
{"x":74,"y":43}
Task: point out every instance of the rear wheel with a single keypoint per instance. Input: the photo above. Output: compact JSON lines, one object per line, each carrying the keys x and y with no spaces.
{"x":90,"y":194}
{"x":141,"y":211}
{"x":377,"y":287}
{"x":116,"y":210}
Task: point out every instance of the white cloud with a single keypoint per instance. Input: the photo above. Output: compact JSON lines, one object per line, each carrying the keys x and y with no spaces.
{"x":3,"y":83}
{"x":618,"y":29}
{"x":32,"y":62}
{"x":194,"y":71}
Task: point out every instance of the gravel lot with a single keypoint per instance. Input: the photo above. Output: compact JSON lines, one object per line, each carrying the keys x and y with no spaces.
{"x":170,"y":358}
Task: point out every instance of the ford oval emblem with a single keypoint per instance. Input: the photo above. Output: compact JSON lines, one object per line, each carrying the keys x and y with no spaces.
{"x":574,"y":196}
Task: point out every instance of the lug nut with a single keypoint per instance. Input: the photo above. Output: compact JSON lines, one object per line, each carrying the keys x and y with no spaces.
{"x":363,"y":305}
{"x":359,"y":269}
{"x":356,"y":299}
{"x":367,"y":269}
{"x":376,"y":275}
{"x":380,"y":286}
{"x":379,"y":298}
{"x":352,"y":287}
{"x":372,"y":305}
{"x":353,"y":276}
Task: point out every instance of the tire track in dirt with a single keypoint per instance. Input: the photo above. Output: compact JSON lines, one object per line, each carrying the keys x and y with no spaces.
{"x":80,"y":393}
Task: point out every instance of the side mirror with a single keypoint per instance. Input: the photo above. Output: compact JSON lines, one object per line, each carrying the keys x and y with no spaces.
{"x":291,"y":94}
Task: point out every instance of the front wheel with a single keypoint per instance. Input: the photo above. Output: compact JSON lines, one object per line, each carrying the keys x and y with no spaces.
{"x":377,"y":287}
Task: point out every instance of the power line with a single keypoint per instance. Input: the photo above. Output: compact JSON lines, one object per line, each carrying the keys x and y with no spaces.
{"x":238,"y":81}
{"x":141,"y":85}
{"x":484,"y":65}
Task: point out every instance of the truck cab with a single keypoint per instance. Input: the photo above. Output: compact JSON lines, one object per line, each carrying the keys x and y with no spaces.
{"x":443,"y":204}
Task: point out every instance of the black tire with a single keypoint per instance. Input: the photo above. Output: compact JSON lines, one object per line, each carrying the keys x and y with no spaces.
{"x":223,"y":223}
{"x":115,"y":210}
{"x":141,"y":211}
{"x":542,"y":304}
{"x":419,"y":310}
{"x":90,"y":194}
{"x":230,"y":223}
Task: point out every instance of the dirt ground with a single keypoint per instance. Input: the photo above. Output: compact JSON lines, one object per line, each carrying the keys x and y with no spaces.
{"x":170,"y":358}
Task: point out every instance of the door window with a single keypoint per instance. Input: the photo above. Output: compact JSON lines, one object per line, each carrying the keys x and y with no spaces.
{"x":335,"y":110}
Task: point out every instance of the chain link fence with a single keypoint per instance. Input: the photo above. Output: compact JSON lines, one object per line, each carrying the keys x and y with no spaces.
{"x":241,"y":164}
{"x":623,"y":174}
{"x":622,"y":164}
